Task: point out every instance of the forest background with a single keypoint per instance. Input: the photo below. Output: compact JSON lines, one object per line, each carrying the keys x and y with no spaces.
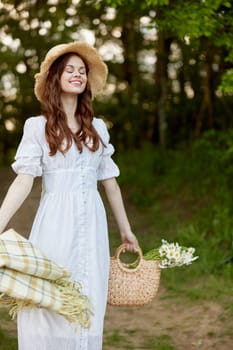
{"x":169,"y":108}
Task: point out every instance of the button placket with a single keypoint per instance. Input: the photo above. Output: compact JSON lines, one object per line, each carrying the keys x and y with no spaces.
{"x":84,"y":244}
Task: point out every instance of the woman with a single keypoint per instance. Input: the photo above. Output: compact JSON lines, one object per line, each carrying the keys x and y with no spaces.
{"x":71,"y":150}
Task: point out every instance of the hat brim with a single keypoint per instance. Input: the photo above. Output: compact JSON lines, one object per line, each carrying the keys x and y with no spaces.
{"x":97,"y":69}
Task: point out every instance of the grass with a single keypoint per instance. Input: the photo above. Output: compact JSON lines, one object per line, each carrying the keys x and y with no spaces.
{"x":114,"y":338}
{"x":162,"y":342}
{"x":118,"y":340}
{"x":7,"y":341}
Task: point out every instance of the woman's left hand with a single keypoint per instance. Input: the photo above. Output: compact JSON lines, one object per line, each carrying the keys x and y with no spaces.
{"x":131,"y":241}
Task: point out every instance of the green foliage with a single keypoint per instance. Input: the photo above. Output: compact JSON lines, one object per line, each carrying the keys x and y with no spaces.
{"x":195,"y":19}
{"x":147,"y":3}
{"x":157,"y":2}
{"x":227,"y":82}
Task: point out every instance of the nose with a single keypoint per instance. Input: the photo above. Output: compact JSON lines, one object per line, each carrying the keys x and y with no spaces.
{"x":76,"y":73}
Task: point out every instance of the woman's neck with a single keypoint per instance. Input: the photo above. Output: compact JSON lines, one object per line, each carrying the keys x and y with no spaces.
{"x":69,"y":104}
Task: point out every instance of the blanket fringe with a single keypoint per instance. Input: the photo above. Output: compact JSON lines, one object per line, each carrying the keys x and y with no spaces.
{"x":75,"y":306}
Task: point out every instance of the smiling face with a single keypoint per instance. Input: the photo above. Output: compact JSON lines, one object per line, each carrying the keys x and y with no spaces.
{"x":74,"y":76}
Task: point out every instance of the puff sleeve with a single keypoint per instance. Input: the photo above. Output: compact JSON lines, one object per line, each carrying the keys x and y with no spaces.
{"x":107,"y":167}
{"x":29,"y":152}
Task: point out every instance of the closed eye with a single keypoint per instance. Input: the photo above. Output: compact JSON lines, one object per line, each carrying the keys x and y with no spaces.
{"x":70,"y":69}
{"x":82,"y":70}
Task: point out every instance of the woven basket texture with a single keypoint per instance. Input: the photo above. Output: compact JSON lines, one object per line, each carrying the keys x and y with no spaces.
{"x":132,"y":287}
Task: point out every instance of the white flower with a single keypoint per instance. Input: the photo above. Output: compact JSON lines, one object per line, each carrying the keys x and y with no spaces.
{"x":177,"y":255}
{"x":191,"y":250}
{"x":172,"y":246}
{"x":162,"y":250}
{"x":163,"y":264}
{"x":172,"y":254}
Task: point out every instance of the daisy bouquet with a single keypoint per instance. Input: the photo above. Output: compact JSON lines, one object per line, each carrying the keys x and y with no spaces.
{"x":171,"y":255}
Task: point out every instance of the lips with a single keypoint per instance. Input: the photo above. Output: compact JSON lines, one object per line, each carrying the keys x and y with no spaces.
{"x":76,"y":82}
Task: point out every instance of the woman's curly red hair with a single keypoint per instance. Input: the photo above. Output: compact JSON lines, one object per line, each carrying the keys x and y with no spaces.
{"x":57,"y":130}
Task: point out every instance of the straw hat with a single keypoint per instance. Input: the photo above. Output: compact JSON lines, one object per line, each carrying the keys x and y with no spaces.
{"x":97,"y":68}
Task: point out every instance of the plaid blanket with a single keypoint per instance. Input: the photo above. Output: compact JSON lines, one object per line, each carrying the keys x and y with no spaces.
{"x":28,"y":278}
{"x":19,"y":254}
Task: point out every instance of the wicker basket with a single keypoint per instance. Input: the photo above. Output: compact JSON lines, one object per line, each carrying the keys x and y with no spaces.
{"x":132,"y":287}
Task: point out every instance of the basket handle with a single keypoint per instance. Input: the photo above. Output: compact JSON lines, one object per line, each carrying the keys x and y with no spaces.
{"x":122,"y":248}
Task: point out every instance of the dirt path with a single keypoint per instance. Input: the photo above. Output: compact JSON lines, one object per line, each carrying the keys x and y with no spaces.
{"x":189,"y":326}
{"x":165,"y":324}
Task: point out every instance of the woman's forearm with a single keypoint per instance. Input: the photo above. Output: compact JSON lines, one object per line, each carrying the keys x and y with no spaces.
{"x":17,"y":193}
{"x":114,"y":197}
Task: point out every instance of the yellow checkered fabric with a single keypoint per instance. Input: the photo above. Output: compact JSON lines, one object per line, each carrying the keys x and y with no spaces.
{"x":28,"y":278}
{"x":19,"y":254}
{"x":41,"y":292}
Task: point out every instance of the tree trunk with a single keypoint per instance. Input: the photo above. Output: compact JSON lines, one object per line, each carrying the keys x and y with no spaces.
{"x":206,"y":104}
{"x":131,"y":74}
{"x":161,"y":82}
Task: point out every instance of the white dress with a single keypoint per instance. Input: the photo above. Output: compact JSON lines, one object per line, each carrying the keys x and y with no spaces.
{"x":70,"y":227}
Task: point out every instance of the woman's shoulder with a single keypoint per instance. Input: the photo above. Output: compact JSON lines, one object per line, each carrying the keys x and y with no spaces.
{"x":35,"y":121}
{"x":100,"y":126}
{"x":98,"y":123}
{"x":35,"y":126}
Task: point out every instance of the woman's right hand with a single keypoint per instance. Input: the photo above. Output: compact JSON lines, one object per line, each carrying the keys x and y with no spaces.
{"x":131,"y":241}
